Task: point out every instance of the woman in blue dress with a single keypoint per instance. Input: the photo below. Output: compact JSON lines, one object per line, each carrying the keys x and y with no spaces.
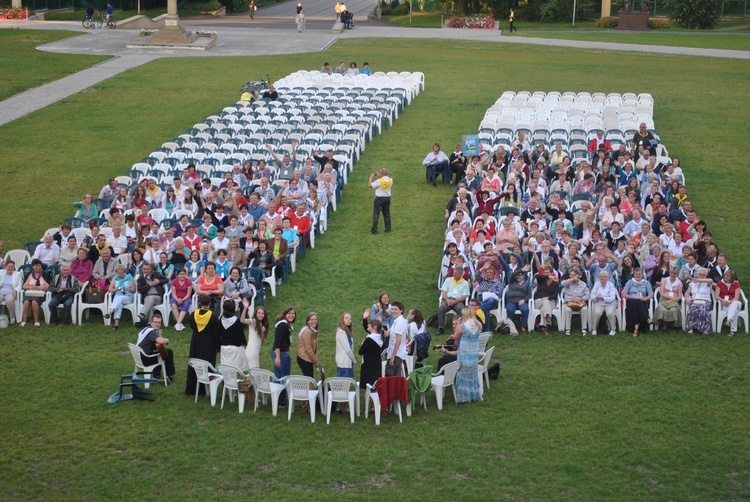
{"x":467,"y":378}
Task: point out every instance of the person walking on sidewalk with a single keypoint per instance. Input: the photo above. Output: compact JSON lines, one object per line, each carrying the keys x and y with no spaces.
{"x":382,"y":187}
{"x":512,"y":19}
{"x":253,"y":8}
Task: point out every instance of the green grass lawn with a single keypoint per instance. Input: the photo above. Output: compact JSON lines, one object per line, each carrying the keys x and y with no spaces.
{"x":595,"y":418}
{"x":706,"y":40}
{"x":22,"y":66}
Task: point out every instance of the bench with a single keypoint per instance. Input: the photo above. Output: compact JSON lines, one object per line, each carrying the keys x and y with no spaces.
{"x":338,"y":27}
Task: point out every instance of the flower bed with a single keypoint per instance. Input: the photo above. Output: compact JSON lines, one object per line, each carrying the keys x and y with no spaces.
{"x":13,"y":14}
{"x":208,"y":34}
{"x":480,"y":22}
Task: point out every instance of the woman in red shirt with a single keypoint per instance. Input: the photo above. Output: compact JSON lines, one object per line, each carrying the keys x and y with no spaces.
{"x":728,"y":296}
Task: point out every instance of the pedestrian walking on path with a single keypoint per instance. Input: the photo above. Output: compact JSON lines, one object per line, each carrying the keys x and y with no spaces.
{"x":253,"y":8}
{"x":300,"y":20}
{"x":512,"y":19}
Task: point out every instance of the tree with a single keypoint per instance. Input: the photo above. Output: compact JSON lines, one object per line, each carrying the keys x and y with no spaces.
{"x":701,"y":14}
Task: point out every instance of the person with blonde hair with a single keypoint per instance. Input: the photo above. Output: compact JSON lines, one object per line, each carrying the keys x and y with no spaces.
{"x":345,"y":359}
{"x":467,"y":379}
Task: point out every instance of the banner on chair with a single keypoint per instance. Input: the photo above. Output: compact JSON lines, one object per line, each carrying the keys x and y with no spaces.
{"x":470,"y":144}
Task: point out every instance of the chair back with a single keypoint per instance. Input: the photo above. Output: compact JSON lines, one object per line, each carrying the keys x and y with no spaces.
{"x":137,"y":354}
{"x":485,"y":361}
{"x":483,"y":339}
{"x":261,"y":379}
{"x":298,"y":386}
{"x":203,"y":369}
{"x":449,"y":372}
{"x":230,"y":374}
{"x":339,"y":388}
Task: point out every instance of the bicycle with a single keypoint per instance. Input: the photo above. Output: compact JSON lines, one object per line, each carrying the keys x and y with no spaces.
{"x":89,"y":23}
{"x":94,"y":23}
{"x":103,"y":20}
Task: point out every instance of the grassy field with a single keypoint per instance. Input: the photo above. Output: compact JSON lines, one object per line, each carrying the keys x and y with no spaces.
{"x":706,"y":40}
{"x":23,"y":67}
{"x":659,"y":417}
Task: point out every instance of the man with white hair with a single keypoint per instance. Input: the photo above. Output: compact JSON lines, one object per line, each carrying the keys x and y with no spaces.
{"x":47,"y":252}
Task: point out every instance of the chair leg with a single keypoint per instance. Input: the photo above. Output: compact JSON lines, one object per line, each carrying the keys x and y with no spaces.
{"x":352,"y":411}
{"x":312,"y":400}
{"x":328,"y":412}
{"x":291,"y":409}
{"x":439,"y":397}
{"x":398,"y":407}
{"x":241,"y":401}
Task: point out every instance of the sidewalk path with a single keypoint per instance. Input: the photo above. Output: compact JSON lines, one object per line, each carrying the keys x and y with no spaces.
{"x":272,"y":32}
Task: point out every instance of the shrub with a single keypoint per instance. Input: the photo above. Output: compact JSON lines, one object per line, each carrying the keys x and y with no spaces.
{"x":659,"y":24}
{"x":692,"y":14}
{"x":204,"y":6}
{"x":607,"y":22}
{"x":400,"y":10}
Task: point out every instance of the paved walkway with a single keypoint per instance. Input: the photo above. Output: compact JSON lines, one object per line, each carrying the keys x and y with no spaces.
{"x":272,"y":32}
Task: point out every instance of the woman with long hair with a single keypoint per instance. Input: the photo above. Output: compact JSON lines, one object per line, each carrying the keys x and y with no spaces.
{"x":381,"y":310}
{"x":256,"y":335}
{"x":468,"y":386}
{"x":282,"y":341}
{"x":345,"y":360}
{"x":307,"y":348}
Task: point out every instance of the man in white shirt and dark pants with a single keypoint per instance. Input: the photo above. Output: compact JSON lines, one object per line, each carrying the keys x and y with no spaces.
{"x":396,"y":353}
{"x":382,"y":187}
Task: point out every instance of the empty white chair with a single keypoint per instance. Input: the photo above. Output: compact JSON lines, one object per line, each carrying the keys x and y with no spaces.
{"x":231,"y":375}
{"x":446,"y":377}
{"x":265,"y":383}
{"x":208,"y":376}
{"x":302,"y":388}
{"x":484,"y":366}
{"x":340,"y":390}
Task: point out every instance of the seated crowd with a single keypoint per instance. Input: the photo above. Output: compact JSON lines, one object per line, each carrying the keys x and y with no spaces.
{"x":152,"y":233}
{"x":528,"y":230}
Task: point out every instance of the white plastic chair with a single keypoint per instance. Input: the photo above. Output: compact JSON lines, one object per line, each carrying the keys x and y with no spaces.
{"x":138,"y":356}
{"x":19,"y":256}
{"x":339,"y":390}
{"x":298,"y":388}
{"x":446,"y":377}
{"x":231,"y":375}
{"x":484,"y":338}
{"x":372,"y":395}
{"x":208,"y":376}
{"x":82,"y":306}
{"x":265,"y":383}
{"x":720,"y":313}
{"x":484,"y":366}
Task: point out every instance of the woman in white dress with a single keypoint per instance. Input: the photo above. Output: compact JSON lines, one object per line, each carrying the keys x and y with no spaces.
{"x":257,"y":333}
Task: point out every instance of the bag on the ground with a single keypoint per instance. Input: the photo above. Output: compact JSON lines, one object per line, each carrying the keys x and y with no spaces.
{"x":246,"y":387}
{"x":494,"y":371}
{"x":432,"y":322}
{"x":506,"y":327}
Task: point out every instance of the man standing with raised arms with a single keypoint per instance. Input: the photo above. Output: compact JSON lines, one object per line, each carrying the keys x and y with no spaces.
{"x":382,"y":187}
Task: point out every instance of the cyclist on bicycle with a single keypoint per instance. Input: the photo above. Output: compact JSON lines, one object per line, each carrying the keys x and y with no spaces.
{"x":110,"y":11}
{"x":90,"y":12}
